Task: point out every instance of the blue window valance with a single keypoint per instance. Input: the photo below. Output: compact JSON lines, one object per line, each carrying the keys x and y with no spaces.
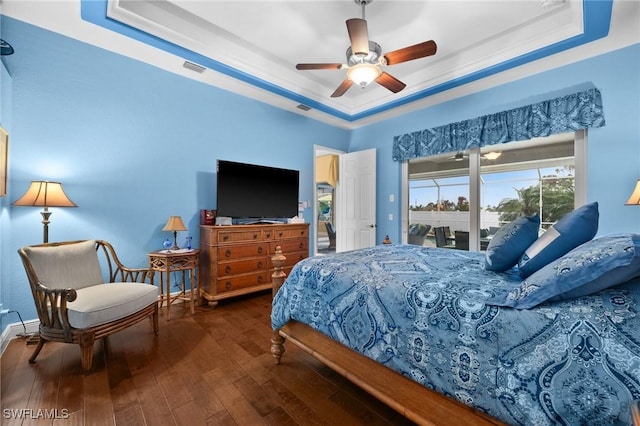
{"x":563,"y":114}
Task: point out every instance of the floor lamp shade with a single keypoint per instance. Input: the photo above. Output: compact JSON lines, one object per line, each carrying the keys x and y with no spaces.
{"x":634,"y":199}
{"x":44,"y":194}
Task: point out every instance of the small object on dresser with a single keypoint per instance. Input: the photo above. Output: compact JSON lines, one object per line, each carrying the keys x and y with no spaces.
{"x":167,"y":244}
{"x":207,"y":217}
{"x":223,"y":220}
{"x":188,"y":243}
{"x":386,"y":240}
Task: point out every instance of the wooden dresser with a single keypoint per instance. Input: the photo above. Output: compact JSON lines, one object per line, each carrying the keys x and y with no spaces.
{"x":236,"y":259}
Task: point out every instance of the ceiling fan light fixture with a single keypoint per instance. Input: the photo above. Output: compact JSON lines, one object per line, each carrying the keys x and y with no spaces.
{"x":363,"y":74}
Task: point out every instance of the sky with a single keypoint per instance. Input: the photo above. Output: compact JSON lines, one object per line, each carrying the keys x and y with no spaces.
{"x":496,"y":186}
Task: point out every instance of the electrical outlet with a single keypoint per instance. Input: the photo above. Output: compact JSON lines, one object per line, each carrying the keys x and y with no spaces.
{"x":3,"y":311}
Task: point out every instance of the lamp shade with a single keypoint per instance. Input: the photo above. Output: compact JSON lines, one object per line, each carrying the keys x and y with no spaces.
{"x":634,"y":199}
{"x":44,"y":194}
{"x":174,"y":224}
{"x":363,"y":74}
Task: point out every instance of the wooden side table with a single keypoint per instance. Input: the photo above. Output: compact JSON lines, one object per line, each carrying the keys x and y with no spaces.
{"x":167,"y":261}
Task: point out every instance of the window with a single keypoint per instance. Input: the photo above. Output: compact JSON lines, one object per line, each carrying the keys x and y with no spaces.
{"x":514,"y":179}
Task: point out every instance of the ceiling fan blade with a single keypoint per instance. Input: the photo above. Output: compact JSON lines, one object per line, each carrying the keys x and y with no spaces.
{"x":390,"y":82}
{"x":318,"y":66}
{"x":410,"y":53}
{"x":342,"y":89}
{"x":359,"y":36}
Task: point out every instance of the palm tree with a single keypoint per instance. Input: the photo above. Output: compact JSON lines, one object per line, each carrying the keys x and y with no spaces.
{"x":557,"y":200}
{"x":527,"y":204}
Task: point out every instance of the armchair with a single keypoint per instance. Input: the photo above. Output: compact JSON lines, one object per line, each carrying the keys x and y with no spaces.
{"x":76,"y":303}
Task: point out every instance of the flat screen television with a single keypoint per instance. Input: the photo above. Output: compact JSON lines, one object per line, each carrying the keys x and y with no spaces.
{"x":251,"y":191}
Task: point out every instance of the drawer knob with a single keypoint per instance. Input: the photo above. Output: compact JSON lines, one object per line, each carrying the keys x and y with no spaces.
{"x":260,"y":264}
{"x":255,"y":236}
{"x":301,"y":245}
{"x":227,"y":253}
{"x":227,"y":269}
{"x":260,"y":278}
{"x":225,"y":238}
{"x":228,"y":285}
{"x":260,"y":250}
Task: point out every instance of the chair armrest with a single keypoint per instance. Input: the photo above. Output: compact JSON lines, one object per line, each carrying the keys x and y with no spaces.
{"x":120,"y":273}
{"x":51,"y":304}
{"x":124,"y":274}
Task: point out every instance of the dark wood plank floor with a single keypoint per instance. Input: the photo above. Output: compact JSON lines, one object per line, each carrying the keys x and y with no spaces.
{"x":211,"y":368}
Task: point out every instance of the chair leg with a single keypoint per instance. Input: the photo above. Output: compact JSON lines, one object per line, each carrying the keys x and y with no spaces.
{"x":37,"y":350}
{"x":106,"y":346}
{"x":86,"y":341}
{"x":154,"y":319}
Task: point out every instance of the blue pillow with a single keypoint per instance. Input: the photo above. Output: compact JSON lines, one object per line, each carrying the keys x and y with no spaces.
{"x":510,"y":241}
{"x":575,"y":228}
{"x":592,"y":267}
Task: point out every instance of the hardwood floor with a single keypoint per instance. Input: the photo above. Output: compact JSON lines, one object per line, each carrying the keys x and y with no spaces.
{"x":211,"y":368}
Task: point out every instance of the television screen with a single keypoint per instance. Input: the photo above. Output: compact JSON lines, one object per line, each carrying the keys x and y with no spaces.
{"x":256,"y":192}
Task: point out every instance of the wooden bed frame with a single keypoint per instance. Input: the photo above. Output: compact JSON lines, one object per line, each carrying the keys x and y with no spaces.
{"x":414,"y":401}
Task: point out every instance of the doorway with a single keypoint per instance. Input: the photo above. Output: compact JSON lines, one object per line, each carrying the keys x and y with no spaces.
{"x":325,"y":207}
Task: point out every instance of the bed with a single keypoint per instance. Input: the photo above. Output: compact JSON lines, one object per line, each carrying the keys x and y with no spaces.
{"x":418,"y":328}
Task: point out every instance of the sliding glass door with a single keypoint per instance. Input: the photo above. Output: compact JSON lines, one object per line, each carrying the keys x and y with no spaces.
{"x":512,"y":180}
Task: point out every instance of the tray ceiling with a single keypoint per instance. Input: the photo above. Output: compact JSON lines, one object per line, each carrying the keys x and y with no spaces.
{"x":252,"y":47}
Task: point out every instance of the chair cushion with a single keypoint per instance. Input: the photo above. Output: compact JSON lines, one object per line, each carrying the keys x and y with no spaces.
{"x":510,"y":241}
{"x":66,"y":266}
{"x":103,"y":303}
{"x":573,"y":229}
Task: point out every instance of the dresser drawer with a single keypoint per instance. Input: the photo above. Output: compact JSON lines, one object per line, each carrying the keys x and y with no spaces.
{"x":242,"y":281}
{"x":298,"y":232}
{"x":293,"y":258}
{"x":242,"y":266}
{"x":232,"y":236}
{"x":288,"y":246}
{"x":242,"y":251}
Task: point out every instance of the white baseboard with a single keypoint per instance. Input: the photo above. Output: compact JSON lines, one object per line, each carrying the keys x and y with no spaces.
{"x":13,"y":330}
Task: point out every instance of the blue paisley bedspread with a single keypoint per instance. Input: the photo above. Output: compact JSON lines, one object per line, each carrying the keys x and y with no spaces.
{"x":420,"y":311}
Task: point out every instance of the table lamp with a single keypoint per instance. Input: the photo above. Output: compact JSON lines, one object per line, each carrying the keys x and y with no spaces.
{"x":175,"y":224}
{"x":634,"y":199}
{"x":44,"y":194}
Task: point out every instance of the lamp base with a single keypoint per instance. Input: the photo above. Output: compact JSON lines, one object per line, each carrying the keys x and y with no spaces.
{"x":175,"y":241}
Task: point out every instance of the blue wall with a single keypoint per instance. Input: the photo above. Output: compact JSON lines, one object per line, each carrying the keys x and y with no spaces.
{"x":134,"y":144}
{"x":131,"y":143}
{"x":613,"y":150}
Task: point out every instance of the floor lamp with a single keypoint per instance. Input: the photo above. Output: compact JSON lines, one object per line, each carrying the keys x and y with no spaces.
{"x":44,"y":194}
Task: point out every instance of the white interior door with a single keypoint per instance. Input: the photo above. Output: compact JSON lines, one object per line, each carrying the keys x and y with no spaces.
{"x":356,"y":195}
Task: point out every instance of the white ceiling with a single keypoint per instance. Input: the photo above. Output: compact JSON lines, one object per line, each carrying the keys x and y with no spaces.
{"x":251,"y":47}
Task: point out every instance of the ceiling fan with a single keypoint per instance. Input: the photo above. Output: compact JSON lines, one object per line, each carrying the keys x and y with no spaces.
{"x":364,"y":58}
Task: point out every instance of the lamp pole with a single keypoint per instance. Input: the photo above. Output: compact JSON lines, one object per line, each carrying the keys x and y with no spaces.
{"x":45,"y":223}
